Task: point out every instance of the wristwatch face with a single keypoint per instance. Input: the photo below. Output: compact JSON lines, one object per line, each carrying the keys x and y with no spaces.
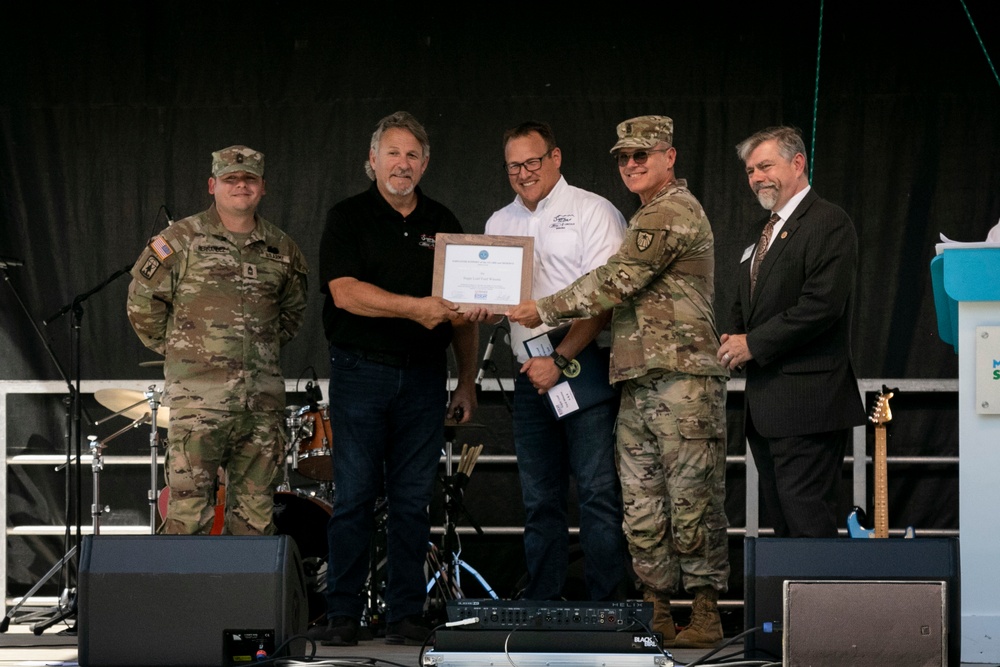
{"x":561,"y":361}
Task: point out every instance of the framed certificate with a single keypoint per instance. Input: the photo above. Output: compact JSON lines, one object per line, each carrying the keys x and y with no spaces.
{"x":493,"y":272}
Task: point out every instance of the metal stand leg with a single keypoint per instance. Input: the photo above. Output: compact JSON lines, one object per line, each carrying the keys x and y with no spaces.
{"x":153,"y":397}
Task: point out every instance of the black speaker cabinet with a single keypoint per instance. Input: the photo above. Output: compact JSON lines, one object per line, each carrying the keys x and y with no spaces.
{"x":770,"y":562}
{"x":166,"y":600}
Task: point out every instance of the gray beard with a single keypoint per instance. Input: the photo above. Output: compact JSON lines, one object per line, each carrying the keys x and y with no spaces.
{"x":767,"y":197}
{"x":400,"y":193}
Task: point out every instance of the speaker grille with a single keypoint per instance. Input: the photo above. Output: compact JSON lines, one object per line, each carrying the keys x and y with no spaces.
{"x":865,"y":623}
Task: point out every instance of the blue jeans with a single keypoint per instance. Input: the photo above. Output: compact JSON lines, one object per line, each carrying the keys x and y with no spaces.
{"x":388,"y":430}
{"x":548,"y":451}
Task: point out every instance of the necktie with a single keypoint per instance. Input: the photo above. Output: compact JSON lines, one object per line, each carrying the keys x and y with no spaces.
{"x":762,"y":244}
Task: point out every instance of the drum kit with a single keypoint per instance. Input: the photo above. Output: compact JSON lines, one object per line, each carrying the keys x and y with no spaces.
{"x":301,"y":513}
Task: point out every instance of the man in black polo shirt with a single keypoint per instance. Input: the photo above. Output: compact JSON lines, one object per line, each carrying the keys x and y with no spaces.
{"x":388,"y":339}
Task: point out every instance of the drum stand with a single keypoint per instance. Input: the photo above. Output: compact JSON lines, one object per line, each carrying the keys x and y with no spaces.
{"x":447,"y":572}
{"x":296,"y":432}
{"x":152,"y":398}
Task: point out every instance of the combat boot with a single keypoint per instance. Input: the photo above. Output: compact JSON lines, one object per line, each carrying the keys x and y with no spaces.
{"x":663,"y":622}
{"x":705,"y":630}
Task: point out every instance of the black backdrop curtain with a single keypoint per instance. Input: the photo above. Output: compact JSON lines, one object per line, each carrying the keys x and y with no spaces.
{"x":109,"y":110}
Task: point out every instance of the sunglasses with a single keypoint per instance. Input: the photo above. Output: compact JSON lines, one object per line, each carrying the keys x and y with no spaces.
{"x":639,"y":157}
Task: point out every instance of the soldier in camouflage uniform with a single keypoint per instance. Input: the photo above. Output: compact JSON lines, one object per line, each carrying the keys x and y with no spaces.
{"x":671,"y":427}
{"x":217,"y":294}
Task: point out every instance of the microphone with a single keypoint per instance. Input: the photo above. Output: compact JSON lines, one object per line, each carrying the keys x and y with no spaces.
{"x":170,"y":218}
{"x":8,"y":262}
{"x":487,"y":356}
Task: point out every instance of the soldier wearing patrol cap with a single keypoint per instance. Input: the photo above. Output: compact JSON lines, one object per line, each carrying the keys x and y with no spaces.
{"x":217,"y":294}
{"x":671,"y":425}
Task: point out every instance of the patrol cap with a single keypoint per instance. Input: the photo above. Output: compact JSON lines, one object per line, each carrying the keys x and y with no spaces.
{"x":237,"y":158}
{"x":644,"y":132}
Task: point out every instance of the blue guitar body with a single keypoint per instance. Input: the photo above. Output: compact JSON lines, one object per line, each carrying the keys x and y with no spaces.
{"x":855,"y":529}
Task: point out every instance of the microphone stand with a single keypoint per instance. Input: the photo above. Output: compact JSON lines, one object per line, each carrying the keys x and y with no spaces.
{"x":71,"y":400}
{"x":489,"y":365}
{"x":69,"y":564}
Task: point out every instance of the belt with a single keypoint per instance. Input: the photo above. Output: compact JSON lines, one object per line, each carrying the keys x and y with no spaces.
{"x":394,"y":359}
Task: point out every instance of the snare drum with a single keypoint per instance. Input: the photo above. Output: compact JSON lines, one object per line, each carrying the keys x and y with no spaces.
{"x":314,"y":458}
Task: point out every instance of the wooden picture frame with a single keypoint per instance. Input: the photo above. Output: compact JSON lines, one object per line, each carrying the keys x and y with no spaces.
{"x":483,"y":271}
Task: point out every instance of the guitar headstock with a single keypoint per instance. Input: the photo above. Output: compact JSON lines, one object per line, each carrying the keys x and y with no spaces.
{"x":881,"y":414}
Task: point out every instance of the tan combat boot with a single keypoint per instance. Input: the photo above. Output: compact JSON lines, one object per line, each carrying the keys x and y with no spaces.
{"x":663,"y":622}
{"x":705,"y":630}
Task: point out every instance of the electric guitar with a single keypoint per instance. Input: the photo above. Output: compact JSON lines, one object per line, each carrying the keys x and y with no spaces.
{"x":880,"y":416}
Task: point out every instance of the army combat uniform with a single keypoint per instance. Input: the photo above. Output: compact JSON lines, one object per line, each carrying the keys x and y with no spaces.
{"x":218,"y":306}
{"x":671,"y":426}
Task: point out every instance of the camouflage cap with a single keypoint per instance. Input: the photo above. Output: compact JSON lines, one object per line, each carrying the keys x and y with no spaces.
{"x":237,"y":158}
{"x":644,"y":132}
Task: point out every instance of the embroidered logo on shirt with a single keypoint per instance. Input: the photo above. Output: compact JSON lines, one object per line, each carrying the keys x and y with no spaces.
{"x":161,"y":248}
{"x":426,"y":241}
{"x":562,"y":221}
{"x":643,"y":240}
{"x":149,"y":268}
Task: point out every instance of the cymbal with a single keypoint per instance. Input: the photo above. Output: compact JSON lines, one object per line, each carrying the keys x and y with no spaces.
{"x":150,"y":364}
{"x":117,"y":400}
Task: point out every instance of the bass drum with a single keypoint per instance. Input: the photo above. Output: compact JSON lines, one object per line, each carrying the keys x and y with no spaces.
{"x":304,"y":518}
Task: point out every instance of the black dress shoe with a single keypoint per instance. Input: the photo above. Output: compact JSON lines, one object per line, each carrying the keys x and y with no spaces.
{"x":411,"y":631}
{"x":339,"y":631}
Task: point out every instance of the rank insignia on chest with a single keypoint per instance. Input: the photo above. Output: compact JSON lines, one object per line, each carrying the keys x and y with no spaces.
{"x":149,"y":267}
{"x":250,"y":271}
{"x":643,"y":240}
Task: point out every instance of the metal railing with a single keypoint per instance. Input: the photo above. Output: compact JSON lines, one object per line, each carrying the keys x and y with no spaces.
{"x":857,"y":461}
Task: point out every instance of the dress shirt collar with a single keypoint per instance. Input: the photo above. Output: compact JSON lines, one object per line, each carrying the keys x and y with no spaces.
{"x":544,"y":202}
{"x":792,"y":203}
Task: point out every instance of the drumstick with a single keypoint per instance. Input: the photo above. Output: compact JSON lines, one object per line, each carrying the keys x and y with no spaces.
{"x":461,"y":460}
{"x":476,"y":451}
{"x":464,"y":469}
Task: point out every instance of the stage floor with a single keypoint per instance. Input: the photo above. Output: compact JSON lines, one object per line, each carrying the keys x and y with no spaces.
{"x":19,"y":647}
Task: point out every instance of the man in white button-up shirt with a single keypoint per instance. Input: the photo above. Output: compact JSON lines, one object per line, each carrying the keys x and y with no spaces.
{"x":574,"y":231}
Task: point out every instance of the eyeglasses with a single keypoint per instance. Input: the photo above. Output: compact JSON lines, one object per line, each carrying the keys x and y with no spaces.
{"x":639,"y":157}
{"x":534,"y":164}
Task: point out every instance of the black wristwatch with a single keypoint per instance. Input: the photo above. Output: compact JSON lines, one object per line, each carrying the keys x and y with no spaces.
{"x":561,"y":361}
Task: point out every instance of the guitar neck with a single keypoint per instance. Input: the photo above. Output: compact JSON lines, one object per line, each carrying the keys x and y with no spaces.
{"x":881,"y":484}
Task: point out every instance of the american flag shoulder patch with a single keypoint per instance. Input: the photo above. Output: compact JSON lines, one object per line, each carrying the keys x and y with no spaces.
{"x":161,"y":247}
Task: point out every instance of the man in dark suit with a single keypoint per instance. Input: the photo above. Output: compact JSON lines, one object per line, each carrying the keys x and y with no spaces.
{"x":792,"y":333}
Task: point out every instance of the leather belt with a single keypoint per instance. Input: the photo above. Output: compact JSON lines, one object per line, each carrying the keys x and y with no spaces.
{"x":394,"y":359}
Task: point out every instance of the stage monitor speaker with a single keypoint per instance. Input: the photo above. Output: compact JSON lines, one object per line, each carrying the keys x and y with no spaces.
{"x":165,"y":600}
{"x":865,"y":623}
{"x":770,"y":562}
